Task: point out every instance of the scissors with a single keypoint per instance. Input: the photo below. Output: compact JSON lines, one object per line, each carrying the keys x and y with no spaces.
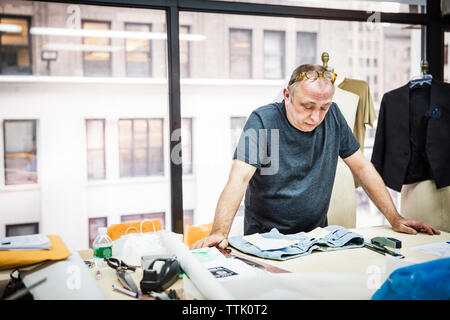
{"x":122,"y":273}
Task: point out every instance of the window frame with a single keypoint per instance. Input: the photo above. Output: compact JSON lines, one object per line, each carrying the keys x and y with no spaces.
{"x":250,"y":58}
{"x":150,"y":49}
{"x":188,"y":68}
{"x":35,"y":224}
{"x":35,"y":150}
{"x":282,"y":56}
{"x":83,"y":56}
{"x":30,"y":45}
{"x":104,"y":149}
{"x":148,"y":148}
{"x":89,"y":225}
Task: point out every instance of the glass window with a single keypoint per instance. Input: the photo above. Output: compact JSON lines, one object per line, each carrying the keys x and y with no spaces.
{"x":13,"y":230}
{"x":306,"y":48}
{"x":141,"y":147}
{"x":138,"y":51}
{"x":274,"y":60}
{"x":185,"y":52}
{"x":95,"y":132}
{"x":20,"y":156}
{"x":240,"y":53}
{"x":97,"y":55}
{"x":186,"y":140}
{"x":15,"y":46}
{"x":94,"y":224}
{"x":92,"y":66}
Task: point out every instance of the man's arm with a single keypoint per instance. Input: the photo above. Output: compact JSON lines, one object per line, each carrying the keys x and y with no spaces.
{"x":227,"y":206}
{"x":375,"y":188}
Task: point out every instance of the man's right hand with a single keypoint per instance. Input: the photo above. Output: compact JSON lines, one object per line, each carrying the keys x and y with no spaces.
{"x":213,"y":240}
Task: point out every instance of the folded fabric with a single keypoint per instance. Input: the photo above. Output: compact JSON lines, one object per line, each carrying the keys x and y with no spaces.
{"x":20,"y":258}
{"x":423,"y":281}
{"x":28,"y":242}
{"x":339,"y":238}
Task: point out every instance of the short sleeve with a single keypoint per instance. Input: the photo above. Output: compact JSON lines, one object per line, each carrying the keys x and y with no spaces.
{"x":247,"y":149}
{"x":348,"y":144}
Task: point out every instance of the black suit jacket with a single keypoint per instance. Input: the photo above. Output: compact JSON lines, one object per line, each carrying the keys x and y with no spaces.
{"x":392,"y":150}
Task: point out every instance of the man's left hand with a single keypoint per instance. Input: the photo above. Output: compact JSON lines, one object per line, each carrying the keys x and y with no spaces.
{"x":412,"y":227}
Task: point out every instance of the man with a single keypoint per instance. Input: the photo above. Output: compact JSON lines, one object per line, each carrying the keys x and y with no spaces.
{"x":310,"y":134}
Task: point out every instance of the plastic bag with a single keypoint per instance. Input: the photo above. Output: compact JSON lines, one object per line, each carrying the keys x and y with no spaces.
{"x":138,"y":243}
{"x":423,"y":281}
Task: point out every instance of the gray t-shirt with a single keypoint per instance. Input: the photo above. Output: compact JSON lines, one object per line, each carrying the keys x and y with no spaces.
{"x":291,"y":187}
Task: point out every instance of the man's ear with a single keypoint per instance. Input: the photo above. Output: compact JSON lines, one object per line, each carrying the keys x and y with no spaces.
{"x":286,"y":94}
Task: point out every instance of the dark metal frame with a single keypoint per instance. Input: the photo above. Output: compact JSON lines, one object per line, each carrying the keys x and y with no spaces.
{"x":434,"y":22}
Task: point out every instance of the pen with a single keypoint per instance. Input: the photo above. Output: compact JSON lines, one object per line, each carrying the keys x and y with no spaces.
{"x":125,"y":291}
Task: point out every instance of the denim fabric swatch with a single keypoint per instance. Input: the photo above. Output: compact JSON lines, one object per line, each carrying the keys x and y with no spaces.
{"x":339,"y":238}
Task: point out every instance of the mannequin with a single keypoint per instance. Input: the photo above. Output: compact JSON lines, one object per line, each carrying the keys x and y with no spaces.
{"x":342,"y":210}
{"x":421,"y":201}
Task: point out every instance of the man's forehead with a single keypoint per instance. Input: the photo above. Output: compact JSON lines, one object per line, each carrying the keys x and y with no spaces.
{"x":315,"y":90}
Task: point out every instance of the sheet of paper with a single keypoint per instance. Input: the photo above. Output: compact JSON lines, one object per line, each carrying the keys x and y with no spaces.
{"x":208,"y":254}
{"x":268,"y":244}
{"x":441,"y":249}
{"x":318,"y":233}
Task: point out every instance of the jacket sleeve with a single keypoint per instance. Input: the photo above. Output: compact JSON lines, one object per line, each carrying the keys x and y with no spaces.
{"x":379,"y":143}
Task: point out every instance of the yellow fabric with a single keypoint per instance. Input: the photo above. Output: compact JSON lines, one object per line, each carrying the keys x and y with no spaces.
{"x":194,"y":233}
{"x":115,"y":231}
{"x":19,"y":258}
{"x":365,"y":114}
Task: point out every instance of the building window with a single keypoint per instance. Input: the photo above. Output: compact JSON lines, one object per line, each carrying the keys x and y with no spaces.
{"x":141,"y":147}
{"x":138,"y":51}
{"x":13,"y":230}
{"x":95,"y":133}
{"x":306,"y":47}
{"x":186,"y":141}
{"x":236,"y":126}
{"x":20,"y":151}
{"x":94,"y":224}
{"x":185,"y":52}
{"x":274,"y":54}
{"x":97,"y":61}
{"x":15,"y":46}
{"x":240,"y":53}
{"x":188,"y":218}
{"x":161,"y":216}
